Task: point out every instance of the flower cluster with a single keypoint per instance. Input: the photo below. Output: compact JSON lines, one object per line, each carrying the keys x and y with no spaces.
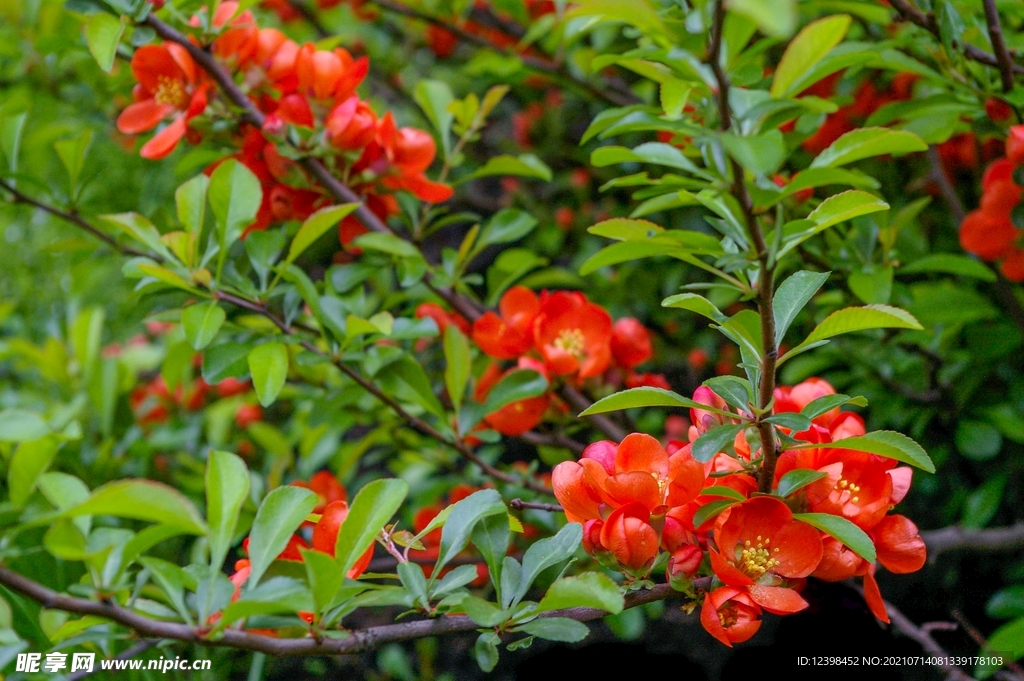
{"x":562,"y":335}
{"x":305,"y":94}
{"x":639,"y":499}
{"x":990,"y":231}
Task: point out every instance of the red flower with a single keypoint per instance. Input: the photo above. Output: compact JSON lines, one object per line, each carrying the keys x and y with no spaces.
{"x":520,"y":416}
{"x":511,"y":334}
{"x":328,"y":74}
{"x":761,"y":547}
{"x":730,"y":615}
{"x":573,"y":335}
{"x":168,"y":87}
{"x":325,"y":536}
{"x":628,"y":535}
{"x":1015,"y":145}
{"x":987,"y":235}
{"x":630,"y":342}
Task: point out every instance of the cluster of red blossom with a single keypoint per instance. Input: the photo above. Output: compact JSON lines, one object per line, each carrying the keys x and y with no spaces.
{"x":990,"y":231}
{"x":639,"y":498}
{"x":311,"y":89}
{"x":557,"y":334}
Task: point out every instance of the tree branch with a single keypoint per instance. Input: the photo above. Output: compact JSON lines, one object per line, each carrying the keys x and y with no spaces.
{"x":924,"y":639}
{"x":519,"y":505}
{"x":927,"y":21}
{"x":766,"y":273}
{"x":995,"y":34}
{"x":957,"y":538}
{"x":356,"y":642}
{"x":75,"y":219}
{"x":613,"y":96}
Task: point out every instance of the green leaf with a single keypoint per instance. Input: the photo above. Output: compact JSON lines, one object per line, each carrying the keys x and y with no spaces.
{"x":30,"y":460}
{"x":804,"y":52}
{"x":519,"y":385}
{"x":486,"y":651}
{"x":102,"y":35}
{"x":315,"y":226}
{"x":544,"y":553}
{"x":280,"y":514}
{"x":72,"y":152}
{"x":201,"y":322}
{"x":978,"y":440}
{"x":845,"y":206}
{"x":561,"y":629}
{"x":228,"y":360}
{"x":842,"y":529}
{"x":710,"y":510}
{"x":695,"y":303}
{"x":657,"y":153}
{"x":819,"y":406}
{"x":278,"y":595}
{"x":714,"y":441}
{"x":22,"y":425}
{"x":867,"y":142}
{"x":140,"y":229}
{"x":506,"y":226}
{"x":491,"y":537}
{"x":720,"y":491}
{"x":227,"y":487}
{"x":408,"y":376}
{"x":456,"y":357}
{"x":324,"y":577}
{"x":588,"y":590}
{"x":982,"y":504}
{"x":268,"y":364}
{"x":674,"y":94}
{"x":872,"y":284}
{"x":172,"y":580}
{"x":146,"y":500}
{"x":1007,"y":603}
{"x":646,"y":397}
{"x":761,"y":154}
{"x":791,"y":297}
{"x":797,"y":479}
{"x":949,"y":263}
{"x":776,"y":19}
{"x":626,"y":229}
{"x":852,"y":319}
{"x":524,"y":165}
{"x":734,"y":390}
{"x":1008,"y":640}
{"x":795,"y":422}
{"x":388,"y":243}
{"x":462,"y":519}
{"x":434,"y":96}
{"x":190,"y":199}
{"x":884,"y":443}
{"x":372,"y":508}
{"x":235,"y":196}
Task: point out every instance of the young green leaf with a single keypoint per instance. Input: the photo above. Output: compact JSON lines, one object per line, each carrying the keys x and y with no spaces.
{"x":544,"y":553}
{"x":804,"y":52}
{"x":201,"y":322}
{"x":695,"y":303}
{"x":268,"y":364}
{"x":524,"y":165}
{"x":791,"y":297}
{"x":852,"y":319}
{"x":884,"y":443}
{"x":146,"y":500}
{"x":457,"y":361}
{"x":190,"y":200}
{"x":713,"y":441}
{"x":646,"y":397}
{"x":462,"y":519}
{"x":227,"y":487}
{"x":867,"y":142}
{"x":561,"y":629}
{"x":370,"y":512}
{"x":842,"y":529}
{"x":797,"y":479}
{"x":588,"y":590}
{"x":315,"y":226}
{"x":235,"y":195}
{"x":277,"y":518}
{"x":102,"y":35}
{"x":29,"y":461}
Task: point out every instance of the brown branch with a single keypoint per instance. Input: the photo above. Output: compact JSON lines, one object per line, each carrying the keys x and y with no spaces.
{"x":76,"y":220}
{"x":127,"y":654}
{"x":957,"y":538}
{"x":579,"y":402}
{"x":616,"y":97}
{"x":995,"y":34}
{"x":927,"y":21}
{"x":766,"y":274}
{"x":924,"y":639}
{"x":552,"y":440}
{"x":519,"y":505}
{"x":356,"y":642}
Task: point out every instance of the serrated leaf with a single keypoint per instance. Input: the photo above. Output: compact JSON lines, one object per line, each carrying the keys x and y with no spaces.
{"x":797,"y":479}
{"x":884,"y":443}
{"x":556,"y":629}
{"x":280,"y":514}
{"x":695,"y":303}
{"x":588,"y":590}
{"x":714,"y":441}
{"x":315,"y":226}
{"x":371,"y":510}
{"x":227,"y":488}
{"x":268,"y":365}
{"x":867,"y":142}
{"x":146,"y":500}
{"x":646,"y":397}
{"x":804,"y":52}
{"x":462,"y":519}
{"x":791,"y":297}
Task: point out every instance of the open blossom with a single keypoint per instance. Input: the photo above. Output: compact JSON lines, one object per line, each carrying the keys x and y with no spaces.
{"x":730,"y":615}
{"x":511,"y":334}
{"x":573,"y":335}
{"x":169,"y":86}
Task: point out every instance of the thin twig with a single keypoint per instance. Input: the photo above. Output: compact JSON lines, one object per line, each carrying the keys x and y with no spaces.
{"x":925,"y":640}
{"x":552,"y":68}
{"x":519,"y":505}
{"x":927,"y":21}
{"x":77,"y":220}
{"x":766,"y":273}
{"x":995,"y":34}
{"x":979,"y":639}
{"x":357,"y":641}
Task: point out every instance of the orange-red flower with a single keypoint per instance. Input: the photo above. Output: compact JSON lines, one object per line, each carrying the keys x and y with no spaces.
{"x":760,"y":547}
{"x":168,"y":86}
{"x":511,"y":334}
{"x":573,"y":335}
{"x":325,"y":536}
{"x":730,"y":615}
{"x":517,"y":417}
{"x":629,"y":537}
{"x":630,"y":343}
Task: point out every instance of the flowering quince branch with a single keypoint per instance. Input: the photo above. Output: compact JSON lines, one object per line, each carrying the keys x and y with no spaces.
{"x":955,"y":538}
